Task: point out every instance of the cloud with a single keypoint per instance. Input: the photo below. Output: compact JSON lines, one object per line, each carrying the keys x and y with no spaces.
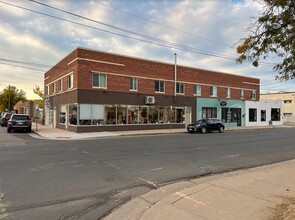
{"x":213,"y":26}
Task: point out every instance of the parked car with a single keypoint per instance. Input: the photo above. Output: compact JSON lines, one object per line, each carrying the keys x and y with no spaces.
{"x":206,"y":125}
{"x":5,"y":117}
{"x":19,"y":122}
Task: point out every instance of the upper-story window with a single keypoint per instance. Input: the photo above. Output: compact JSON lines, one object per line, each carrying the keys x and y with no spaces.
{"x":197,"y":90}
{"x":53,"y":87}
{"x":46,"y":90}
{"x":179,"y":88}
{"x":99,"y":80}
{"x":242,"y":93}
{"x":213,"y":91}
{"x":133,"y":84}
{"x":60,"y":85}
{"x":253,"y":95}
{"x":159,"y":86}
{"x":70,"y":81}
{"x":228,"y":93}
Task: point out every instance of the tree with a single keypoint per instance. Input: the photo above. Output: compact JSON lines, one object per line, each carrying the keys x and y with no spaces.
{"x":10,"y":96}
{"x":38,"y":91}
{"x":273,"y":32}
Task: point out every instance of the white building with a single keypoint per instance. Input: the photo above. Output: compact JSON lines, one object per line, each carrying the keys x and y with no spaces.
{"x":262,"y":112}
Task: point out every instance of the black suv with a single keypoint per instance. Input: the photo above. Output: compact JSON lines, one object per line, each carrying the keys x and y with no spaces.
{"x":206,"y":125}
{"x":19,"y":122}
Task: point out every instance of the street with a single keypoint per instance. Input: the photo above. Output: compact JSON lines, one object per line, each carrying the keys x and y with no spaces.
{"x":86,"y":179}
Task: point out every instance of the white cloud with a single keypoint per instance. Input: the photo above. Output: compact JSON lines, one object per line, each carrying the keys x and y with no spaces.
{"x":34,"y":38}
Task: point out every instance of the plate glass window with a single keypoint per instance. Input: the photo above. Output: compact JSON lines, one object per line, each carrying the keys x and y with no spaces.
{"x":99,"y":80}
{"x":197,"y":90}
{"x":159,"y":86}
{"x":133,"y":84}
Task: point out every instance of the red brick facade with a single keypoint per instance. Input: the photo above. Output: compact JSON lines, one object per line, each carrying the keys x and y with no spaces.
{"x":119,"y":68}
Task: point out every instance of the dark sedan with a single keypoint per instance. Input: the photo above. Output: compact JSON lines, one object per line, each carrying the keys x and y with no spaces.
{"x":19,"y":122}
{"x":206,"y":125}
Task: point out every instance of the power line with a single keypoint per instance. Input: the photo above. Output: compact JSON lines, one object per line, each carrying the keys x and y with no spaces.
{"x":128,"y":31}
{"x":162,"y":25}
{"x":24,"y":67}
{"x":167,"y":43}
{"x":161,"y":43}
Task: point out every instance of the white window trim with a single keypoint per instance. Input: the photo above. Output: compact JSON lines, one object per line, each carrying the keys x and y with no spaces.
{"x":71,"y":76}
{"x":242,"y":97}
{"x":136,"y":84}
{"x":228,"y":92}
{"x":181,"y":93}
{"x":196,"y":94}
{"x":214,"y":95}
{"x":60,"y":85}
{"x":100,"y":87}
{"x":160,"y":87}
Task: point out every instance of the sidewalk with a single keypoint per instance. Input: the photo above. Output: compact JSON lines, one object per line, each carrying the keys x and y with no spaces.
{"x":46,"y":132}
{"x":255,"y":193}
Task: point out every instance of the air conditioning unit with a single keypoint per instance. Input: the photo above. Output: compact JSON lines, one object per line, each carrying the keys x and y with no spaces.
{"x":150,"y":100}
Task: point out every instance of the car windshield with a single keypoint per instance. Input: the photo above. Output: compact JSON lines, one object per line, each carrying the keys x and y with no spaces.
{"x":199,"y":121}
{"x":21,"y":117}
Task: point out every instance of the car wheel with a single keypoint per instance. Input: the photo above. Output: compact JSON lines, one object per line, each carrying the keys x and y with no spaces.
{"x":29,"y":130}
{"x":203,"y":130}
{"x":8,"y":130}
{"x":221,"y":129}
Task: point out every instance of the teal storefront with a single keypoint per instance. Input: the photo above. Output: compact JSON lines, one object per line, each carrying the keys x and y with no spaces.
{"x":231,"y":112}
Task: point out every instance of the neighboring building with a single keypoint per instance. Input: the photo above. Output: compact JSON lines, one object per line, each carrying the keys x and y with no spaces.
{"x":288,"y":104}
{"x":263,"y":113}
{"x":93,"y":90}
{"x":24,"y":108}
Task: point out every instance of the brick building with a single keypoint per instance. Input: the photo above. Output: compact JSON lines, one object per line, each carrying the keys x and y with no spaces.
{"x":93,"y":90}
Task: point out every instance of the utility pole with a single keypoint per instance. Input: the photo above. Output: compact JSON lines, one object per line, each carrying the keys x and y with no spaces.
{"x":175,"y":77}
{"x":9,"y":97}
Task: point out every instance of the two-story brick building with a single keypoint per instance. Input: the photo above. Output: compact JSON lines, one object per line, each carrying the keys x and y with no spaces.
{"x":92,"y":90}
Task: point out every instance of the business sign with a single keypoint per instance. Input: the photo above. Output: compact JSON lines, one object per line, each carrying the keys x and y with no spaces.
{"x":222,"y":103}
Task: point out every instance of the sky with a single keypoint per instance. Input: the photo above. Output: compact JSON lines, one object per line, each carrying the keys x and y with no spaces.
{"x":204,"y":34}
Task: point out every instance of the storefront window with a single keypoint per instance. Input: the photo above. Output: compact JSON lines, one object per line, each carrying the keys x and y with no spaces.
{"x":85,"y":114}
{"x":275,"y":114}
{"x":153,"y":115}
{"x":209,"y":113}
{"x":143,"y":114}
{"x":73,"y":114}
{"x":121,"y":114}
{"x":263,"y":115}
{"x":180,"y":115}
{"x":110,"y":111}
{"x":98,"y":114}
{"x":162,"y":115}
{"x":171,"y":115}
{"x":252,"y":114}
{"x":231,"y":115}
{"x":62,"y":114}
{"x":133,"y":117}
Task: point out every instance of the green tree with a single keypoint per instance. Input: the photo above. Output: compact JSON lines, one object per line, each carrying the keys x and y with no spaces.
{"x":10,"y":96}
{"x":38,"y":91}
{"x":272,"y":33}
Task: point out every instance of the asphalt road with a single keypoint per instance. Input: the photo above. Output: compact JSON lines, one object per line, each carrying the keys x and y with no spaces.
{"x":48,"y":179}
